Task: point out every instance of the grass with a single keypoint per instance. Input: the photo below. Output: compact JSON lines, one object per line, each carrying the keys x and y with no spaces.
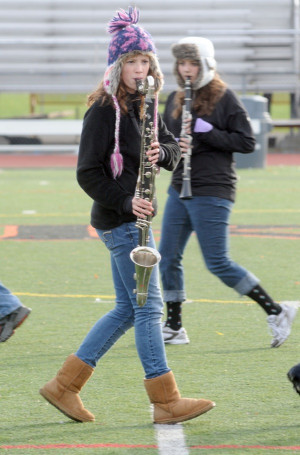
{"x":72,"y":106}
{"x":18,"y":104}
{"x":228,"y":359}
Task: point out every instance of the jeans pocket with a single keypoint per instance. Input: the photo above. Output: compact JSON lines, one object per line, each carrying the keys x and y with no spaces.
{"x":106,"y":237}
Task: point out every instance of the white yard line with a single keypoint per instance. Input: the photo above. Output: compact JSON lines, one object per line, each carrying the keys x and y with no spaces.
{"x":170,"y":439}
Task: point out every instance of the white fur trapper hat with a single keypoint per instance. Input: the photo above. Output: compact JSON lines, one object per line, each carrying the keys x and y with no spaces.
{"x":197,"y":49}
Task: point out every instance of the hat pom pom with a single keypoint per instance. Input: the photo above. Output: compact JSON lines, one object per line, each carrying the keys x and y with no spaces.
{"x":123,"y":19}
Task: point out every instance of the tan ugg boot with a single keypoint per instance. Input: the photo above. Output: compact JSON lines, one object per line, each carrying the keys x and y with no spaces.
{"x":63,"y":390}
{"x":169,"y":407}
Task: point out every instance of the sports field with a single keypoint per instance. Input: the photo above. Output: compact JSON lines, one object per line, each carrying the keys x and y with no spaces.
{"x":51,"y":259}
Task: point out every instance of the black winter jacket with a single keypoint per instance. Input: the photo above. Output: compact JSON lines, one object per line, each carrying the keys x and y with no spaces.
{"x":212,"y":161}
{"x":111,"y":196}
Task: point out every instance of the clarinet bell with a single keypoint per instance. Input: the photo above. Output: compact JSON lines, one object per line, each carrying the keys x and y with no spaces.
{"x":144,"y":258}
{"x":186,"y":191}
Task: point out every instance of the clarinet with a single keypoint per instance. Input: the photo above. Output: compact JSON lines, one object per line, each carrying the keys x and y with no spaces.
{"x":186,"y":191}
{"x":144,"y":257}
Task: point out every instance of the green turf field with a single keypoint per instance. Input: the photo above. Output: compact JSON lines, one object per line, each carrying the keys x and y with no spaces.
{"x":16,"y":104}
{"x":228,"y":359}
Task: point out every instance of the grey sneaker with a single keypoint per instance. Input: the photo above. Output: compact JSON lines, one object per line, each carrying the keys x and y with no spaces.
{"x":12,"y":321}
{"x":281,"y":324}
{"x":174,"y":336}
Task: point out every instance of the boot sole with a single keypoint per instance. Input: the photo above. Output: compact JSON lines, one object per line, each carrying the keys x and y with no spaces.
{"x":188,"y":417}
{"x":57,"y":405}
{"x":176,"y":341}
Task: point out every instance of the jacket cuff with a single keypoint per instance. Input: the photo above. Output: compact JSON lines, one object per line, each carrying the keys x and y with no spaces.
{"x":127,"y":204}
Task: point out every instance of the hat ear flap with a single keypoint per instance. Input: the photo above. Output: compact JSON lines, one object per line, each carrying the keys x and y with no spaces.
{"x":106,"y":80}
{"x":156,"y":72}
{"x":115,"y":76}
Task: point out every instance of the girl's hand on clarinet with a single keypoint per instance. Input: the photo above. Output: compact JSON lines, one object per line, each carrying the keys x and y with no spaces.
{"x":188,"y":124}
{"x":153,"y":153}
{"x":185,"y":144}
{"x":141,"y":207}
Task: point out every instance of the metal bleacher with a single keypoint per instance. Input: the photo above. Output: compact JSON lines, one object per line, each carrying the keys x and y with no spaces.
{"x":60,"y":46}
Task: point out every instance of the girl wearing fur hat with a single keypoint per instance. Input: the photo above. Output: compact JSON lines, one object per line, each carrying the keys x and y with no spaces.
{"x":218,"y":127}
{"x":107,"y":170}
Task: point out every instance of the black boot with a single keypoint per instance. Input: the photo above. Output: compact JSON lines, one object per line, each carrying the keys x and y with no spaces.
{"x":294,"y":377}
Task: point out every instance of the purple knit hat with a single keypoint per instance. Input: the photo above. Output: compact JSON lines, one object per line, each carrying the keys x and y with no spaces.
{"x":127,"y":38}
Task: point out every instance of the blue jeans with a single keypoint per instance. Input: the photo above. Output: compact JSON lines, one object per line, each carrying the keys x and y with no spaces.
{"x":209,"y":217}
{"x":8,"y":301}
{"x":146,"y":320}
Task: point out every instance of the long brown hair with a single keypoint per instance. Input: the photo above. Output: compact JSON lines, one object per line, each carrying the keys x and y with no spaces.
{"x":205,"y":98}
{"x":105,"y":99}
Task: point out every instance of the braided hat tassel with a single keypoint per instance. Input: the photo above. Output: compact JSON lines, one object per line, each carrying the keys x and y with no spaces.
{"x":116,"y":159}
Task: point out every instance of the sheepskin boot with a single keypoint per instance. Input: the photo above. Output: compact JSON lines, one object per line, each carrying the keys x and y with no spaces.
{"x":63,"y":390}
{"x":169,"y":407}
